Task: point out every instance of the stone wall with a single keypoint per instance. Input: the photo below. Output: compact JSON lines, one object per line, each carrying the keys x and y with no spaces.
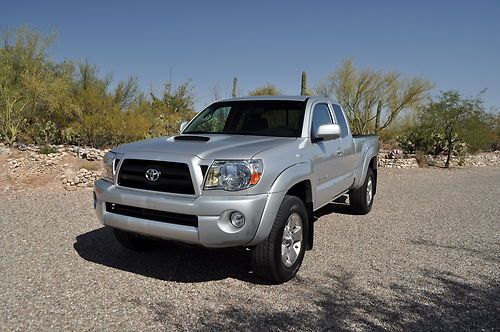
{"x":86,"y":153}
{"x":394,"y":159}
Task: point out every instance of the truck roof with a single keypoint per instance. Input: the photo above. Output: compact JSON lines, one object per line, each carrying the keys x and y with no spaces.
{"x":280,"y":97}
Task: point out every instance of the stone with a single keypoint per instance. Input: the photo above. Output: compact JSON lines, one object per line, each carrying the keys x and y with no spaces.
{"x":4,"y":151}
{"x":76,"y":180}
{"x":22,"y":147}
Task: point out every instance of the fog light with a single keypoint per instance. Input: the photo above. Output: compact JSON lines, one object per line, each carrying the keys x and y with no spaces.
{"x":237,"y":219}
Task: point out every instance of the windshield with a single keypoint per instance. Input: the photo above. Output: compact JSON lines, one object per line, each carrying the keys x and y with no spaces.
{"x":281,"y":118}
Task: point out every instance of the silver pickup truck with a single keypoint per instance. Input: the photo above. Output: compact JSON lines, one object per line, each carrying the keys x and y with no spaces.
{"x":244,"y":172}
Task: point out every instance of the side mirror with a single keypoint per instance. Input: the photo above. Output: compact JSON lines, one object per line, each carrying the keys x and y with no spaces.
{"x":327,"y":132}
{"x":183,"y":126}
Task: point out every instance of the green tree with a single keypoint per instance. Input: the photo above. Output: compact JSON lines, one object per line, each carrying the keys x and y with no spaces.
{"x":455,"y":120}
{"x":481,"y":130}
{"x":26,"y":79}
{"x":373,"y":100}
{"x":103,"y":116}
{"x":266,"y":90}
{"x":175,"y":106}
{"x":48,"y":102}
{"x":126,"y":93}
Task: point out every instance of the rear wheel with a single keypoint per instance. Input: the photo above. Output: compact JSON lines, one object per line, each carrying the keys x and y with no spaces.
{"x":280,"y":255}
{"x":361,"y":199}
{"x":133,"y":241}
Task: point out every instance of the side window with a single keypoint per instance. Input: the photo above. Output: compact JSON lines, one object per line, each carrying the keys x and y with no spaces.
{"x":321,"y":116}
{"x":341,"y":120}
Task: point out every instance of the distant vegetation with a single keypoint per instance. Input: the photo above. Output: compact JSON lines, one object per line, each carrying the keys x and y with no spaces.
{"x":452,"y":124}
{"x":373,"y":100}
{"x":45,"y":102}
{"x":266,"y":90}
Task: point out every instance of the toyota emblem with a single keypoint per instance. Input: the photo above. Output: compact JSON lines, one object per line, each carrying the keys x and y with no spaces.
{"x":153,"y":174}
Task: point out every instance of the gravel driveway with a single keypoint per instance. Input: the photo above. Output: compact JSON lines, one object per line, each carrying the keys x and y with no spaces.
{"x":426,"y":258}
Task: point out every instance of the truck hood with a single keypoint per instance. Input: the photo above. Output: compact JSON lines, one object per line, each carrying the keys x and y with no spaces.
{"x":216,"y":147}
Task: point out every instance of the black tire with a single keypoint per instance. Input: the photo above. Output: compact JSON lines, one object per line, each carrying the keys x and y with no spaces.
{"x":267,"y":260}
{"x":133,"y":241}
{"x":358,"y":197}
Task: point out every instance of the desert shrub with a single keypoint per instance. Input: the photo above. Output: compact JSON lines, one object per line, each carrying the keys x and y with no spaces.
{"x":266,"y":90}
{"x":47,"y":149}
{"x":421,"y":139}
{"x":421,"y":158}
{"x":481,"y":131}
{"x":91,"y":166}
{"x":44,"y":132}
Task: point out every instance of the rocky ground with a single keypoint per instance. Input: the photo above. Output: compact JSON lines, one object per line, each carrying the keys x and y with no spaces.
{"x":426,"y":258}
{"x":68,"y":167}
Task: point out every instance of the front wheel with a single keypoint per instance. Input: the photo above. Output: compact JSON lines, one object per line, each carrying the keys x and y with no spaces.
{"x":280,"y":255}
{"x":361,"y":199}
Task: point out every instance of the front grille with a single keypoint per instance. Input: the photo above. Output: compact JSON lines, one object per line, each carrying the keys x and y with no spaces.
{"x":173,"y":177}
{"x":156,"y":215}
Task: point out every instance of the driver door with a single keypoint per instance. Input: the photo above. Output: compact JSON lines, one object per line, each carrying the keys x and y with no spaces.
{"x":326,"y":158}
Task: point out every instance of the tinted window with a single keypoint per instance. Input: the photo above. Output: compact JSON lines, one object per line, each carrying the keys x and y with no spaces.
{"x":321,"y":116}
{"x":341,"y":120}
{"x":282,"y":118}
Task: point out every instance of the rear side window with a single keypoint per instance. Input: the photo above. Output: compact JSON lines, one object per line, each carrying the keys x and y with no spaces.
{"x":341,"y":120}
{"x":321,"y":116}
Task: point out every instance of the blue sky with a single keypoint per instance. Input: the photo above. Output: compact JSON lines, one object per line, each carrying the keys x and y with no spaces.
{"x":455,"y":44}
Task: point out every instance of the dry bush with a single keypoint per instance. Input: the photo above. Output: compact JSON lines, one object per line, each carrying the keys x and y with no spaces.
{"x":91,"y":165}
{"x":421,"y":159}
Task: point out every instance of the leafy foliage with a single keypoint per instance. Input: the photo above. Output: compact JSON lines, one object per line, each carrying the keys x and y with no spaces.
{"x":46,"y":102}
{"x":47,"y":149}
{"x":373,"y":100}
{"x":451,"y":125}
{"x":27,"y":80}
{"x":266,"y":90}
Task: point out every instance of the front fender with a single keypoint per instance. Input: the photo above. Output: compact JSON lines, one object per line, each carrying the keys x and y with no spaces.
{"x":284,"y":181}
{"x":291,"y":176}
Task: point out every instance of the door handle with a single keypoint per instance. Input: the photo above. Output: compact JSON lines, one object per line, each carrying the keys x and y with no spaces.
{"x":339,"y":152}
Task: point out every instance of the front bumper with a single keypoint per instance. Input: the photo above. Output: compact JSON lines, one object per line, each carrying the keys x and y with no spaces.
{"x":213,"y":212}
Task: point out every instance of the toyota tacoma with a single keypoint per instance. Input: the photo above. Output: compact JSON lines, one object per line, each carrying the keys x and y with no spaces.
{"x":244,"y":172}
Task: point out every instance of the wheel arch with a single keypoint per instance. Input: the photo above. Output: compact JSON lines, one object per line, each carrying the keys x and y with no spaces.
{"x":303,"y":191}
{"x":297,"y":177}
{"x":370,"y":161}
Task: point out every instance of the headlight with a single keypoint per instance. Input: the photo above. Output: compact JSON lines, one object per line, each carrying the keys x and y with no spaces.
{"x":110,"y":161}
{"x":232,"y":175}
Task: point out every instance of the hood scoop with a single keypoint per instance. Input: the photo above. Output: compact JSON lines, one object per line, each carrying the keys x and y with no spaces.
{"x":192,"y":138}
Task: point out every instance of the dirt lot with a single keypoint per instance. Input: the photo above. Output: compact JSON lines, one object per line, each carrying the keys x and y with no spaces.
{"x":426,"y":258}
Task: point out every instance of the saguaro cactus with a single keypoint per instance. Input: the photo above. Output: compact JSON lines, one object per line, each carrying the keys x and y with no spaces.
{"x":235,"y":83}
{"x":303,"y":84}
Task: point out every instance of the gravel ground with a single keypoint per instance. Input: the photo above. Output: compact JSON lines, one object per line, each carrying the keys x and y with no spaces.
{"x":426,"y":258}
